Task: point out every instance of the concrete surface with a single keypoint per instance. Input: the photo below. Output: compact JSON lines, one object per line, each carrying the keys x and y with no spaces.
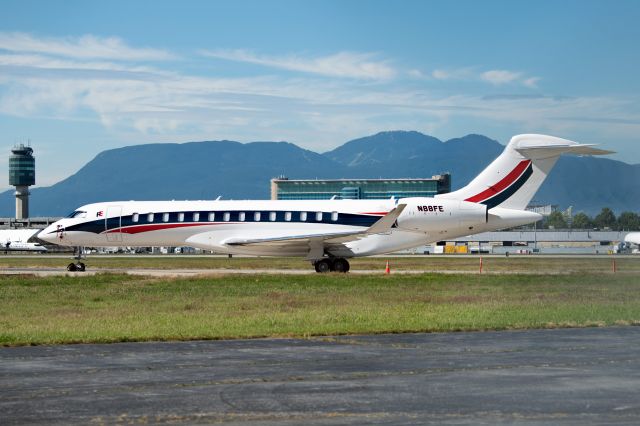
{"x":48,"y":272}
{"x":567,"y":377}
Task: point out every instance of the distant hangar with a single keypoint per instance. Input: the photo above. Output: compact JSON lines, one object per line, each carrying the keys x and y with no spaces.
{"x":283,"y":188}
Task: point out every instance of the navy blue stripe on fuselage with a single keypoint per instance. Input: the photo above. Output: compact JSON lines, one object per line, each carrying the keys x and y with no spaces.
{"x":349,"y":219}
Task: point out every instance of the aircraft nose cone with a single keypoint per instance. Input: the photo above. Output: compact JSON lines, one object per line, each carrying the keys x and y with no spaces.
{"x":48,"y":234}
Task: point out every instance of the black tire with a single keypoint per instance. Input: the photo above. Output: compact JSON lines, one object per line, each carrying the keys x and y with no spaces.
{"x":71,"y":267}
{"x":323,"y":266}
{"x":341,"y":265}
{"x":80,"y":267}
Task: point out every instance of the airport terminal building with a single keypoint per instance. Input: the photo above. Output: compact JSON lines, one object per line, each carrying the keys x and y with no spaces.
{"x":283,"y":188}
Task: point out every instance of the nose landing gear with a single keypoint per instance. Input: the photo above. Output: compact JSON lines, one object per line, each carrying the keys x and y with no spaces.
{"x":77,"y":266}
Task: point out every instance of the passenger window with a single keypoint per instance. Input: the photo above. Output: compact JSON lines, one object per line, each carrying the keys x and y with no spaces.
{"x":272,"y":216}
{"x":287,"y":216}
{"x":180,"y":217}
{"x":150,"y":217}
{"x":303,"y":216}
{"x":196,"y":217}
{"x":241,"y":216}
{"x":256,"y":216}
{"x":212,"y":217}
{"x":226,"y":216}
{"x":165,"y":217}
{"x":134,"y":217}
{"x":334,"y":216}
{"x":319,"y":216}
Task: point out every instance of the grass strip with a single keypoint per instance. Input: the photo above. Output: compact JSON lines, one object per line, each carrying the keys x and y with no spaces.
{"x":116,"y":308}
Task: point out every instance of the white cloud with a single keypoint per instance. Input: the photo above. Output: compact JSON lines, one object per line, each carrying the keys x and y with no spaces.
{"x":154,"y":104}
{"x":532,"y":82}
{"x":454,"y":74}
{"x":494,"y":77}
{"x":18,"y":63}
{"x":499,"y":77}
{"x":342,"y":64}
{"x":85,"y":47}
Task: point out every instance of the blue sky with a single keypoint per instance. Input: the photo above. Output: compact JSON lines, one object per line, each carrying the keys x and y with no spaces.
{"x":79,"y":77}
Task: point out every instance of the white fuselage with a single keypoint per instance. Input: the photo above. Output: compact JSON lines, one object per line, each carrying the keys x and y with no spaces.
{"x":633,"y":238}
{"x":20,"y":246}
{"x":217,"y":225}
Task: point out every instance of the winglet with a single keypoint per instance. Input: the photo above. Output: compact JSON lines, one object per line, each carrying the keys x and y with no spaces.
{"x":386,"y":222}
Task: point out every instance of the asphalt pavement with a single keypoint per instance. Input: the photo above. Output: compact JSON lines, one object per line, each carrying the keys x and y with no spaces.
{"x":565,"y":376}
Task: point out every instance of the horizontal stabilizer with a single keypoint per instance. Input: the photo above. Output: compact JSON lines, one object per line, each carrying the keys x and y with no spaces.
{"x":577,"y":149}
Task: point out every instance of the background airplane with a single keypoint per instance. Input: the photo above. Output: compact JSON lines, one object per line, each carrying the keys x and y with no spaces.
{"x":327,"y":232}
{"x":633,"y":238}
{"x":17,"y":240}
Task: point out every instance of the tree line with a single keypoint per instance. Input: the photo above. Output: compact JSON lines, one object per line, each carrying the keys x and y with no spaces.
{"x":626,"y":221}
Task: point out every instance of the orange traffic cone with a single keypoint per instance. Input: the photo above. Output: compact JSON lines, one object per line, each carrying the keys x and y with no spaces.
{"x":387,"y":270}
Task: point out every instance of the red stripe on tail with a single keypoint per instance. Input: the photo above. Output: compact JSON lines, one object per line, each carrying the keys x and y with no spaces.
{"x":503,"y":184}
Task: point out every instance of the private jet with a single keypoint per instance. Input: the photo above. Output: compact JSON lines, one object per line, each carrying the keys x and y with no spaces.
{"x":327,"y":232}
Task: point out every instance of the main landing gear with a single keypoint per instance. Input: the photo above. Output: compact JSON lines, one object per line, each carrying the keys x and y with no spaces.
{"x":331,"y":264}
{"x":78,"y":266}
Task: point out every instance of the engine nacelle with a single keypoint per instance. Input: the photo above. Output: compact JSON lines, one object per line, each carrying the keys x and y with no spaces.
{"x":433,"y":215}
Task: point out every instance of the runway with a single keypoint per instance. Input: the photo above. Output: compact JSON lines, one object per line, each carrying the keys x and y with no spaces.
{"x":566,"y":376}
{"x":47,"y":272}
{"x":453,"y":268}
{"x":182,"y":272}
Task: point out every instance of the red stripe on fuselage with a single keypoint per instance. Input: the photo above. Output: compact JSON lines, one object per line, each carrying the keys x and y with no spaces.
{"x":157,"y":227}
{"x":503,"y":184}
{"x":375,"y":213}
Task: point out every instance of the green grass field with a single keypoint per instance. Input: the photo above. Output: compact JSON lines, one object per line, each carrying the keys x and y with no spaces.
{"x":114,"y":308}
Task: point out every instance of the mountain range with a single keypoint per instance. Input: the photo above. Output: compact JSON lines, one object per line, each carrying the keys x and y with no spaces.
{"x":233,"y":170}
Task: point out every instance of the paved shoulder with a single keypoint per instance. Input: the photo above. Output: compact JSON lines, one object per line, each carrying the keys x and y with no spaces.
{"x":568,"y":376}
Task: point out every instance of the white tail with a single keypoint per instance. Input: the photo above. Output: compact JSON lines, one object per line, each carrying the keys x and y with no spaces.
{"x":513,"y":178}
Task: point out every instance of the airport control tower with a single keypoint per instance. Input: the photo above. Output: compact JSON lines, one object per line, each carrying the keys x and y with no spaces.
{"x":22,"y":174}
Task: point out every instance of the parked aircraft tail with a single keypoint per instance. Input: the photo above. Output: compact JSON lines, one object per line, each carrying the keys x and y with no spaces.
{"x":513,"y":178}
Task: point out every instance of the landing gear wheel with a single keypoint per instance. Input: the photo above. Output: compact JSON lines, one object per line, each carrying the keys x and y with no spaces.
{"x":76,"y":267}
{"x":341,"y":265}
{"x":322,"y":266}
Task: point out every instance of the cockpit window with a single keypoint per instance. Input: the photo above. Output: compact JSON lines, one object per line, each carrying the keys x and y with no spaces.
{"x":78,"y":214}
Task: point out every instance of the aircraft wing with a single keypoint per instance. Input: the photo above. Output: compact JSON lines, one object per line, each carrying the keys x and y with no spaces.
{"x":334,"y":237}
{"x":317,"y":242}
{"x":384,"y":224}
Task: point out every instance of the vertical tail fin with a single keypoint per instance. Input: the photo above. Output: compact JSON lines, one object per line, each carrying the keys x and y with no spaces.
{"x":513,"y":178}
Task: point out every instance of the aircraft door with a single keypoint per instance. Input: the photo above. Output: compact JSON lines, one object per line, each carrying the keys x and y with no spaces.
{"x":112,"y":223}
